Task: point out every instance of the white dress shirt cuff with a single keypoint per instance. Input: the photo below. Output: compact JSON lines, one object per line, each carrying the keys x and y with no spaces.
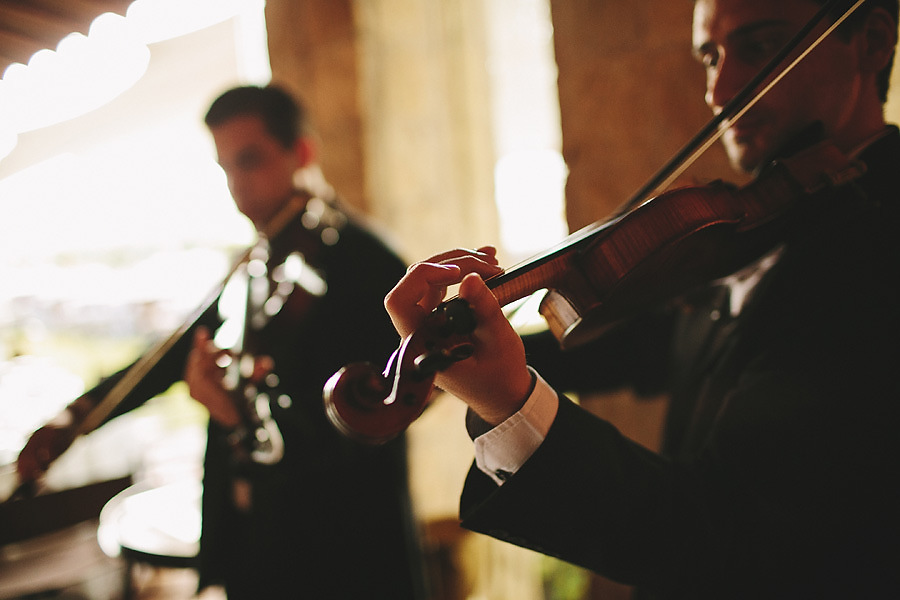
{"x":504,"y":449}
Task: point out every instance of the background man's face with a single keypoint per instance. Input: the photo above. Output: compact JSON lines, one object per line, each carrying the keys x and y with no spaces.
{"x":259,"y":169}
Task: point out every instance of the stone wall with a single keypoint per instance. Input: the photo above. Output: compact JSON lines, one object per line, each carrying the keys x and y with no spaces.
{"x":312,"y":51}
{"x":397,"y":90}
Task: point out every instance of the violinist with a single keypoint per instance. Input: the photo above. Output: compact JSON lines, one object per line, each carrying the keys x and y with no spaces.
{"x":779,"y":475}
{"x":296,"y":523}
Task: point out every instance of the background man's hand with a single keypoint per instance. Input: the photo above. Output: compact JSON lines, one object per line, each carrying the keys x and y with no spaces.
{"x":204,"y":376}
{"x":43,"y":447}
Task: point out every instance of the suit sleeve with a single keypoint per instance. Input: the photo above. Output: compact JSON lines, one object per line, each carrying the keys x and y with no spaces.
{"x":167,"y":370}
{"x":591,"y":513}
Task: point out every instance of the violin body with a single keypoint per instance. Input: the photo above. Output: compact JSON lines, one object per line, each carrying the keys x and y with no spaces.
{"x":257,"y":439}
{"x":608,"y":271}
{"x":280,"y":283}
{"x":686,"y":238}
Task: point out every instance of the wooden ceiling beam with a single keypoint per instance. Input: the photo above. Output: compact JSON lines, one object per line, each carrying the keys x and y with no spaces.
{"x":27,"y":26}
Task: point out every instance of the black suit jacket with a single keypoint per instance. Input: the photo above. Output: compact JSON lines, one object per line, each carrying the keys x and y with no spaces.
{"x":780,"y":475}
{"x":331,"y":507}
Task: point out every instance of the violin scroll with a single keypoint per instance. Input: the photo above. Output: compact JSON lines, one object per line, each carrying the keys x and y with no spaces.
{"x":373,"y":407}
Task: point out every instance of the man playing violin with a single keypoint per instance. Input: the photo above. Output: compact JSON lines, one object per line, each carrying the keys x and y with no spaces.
{"x":294,"y":525}
{"x":779,"y":474}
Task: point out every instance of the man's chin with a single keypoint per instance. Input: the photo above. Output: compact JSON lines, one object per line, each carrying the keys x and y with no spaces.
{"x":742,"y":160}
{"x":744,"y":155}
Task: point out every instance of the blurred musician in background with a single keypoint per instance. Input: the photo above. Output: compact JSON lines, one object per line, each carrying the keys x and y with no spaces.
{"x":290,"y":507}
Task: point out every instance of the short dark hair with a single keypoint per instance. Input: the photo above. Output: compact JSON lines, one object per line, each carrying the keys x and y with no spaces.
{"x":284,"y":117}
{"x":855,"y":21}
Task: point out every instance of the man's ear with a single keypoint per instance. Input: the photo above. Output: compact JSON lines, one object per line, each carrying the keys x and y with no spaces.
{"x":305,"y":151}
{"x":880,"y":38}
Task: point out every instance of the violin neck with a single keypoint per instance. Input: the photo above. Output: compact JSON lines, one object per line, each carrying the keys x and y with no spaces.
{"x":544,"y":270}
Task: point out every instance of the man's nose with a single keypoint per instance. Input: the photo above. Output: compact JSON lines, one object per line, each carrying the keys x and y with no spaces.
{"x":722,"y":84}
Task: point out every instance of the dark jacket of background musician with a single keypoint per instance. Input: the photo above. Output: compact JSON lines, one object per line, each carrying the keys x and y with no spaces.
{"x":780,"y":472}
{"x":333,"y":518}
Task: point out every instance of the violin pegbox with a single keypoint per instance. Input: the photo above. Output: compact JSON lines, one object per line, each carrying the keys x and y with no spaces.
{"x":373,"y":407}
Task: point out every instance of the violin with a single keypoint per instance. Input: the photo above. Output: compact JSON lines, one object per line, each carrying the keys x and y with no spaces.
{"x":280,"y":283}
{"x":649,"y":252}
{"x":276,"y":282}
{"x":594,"y":278}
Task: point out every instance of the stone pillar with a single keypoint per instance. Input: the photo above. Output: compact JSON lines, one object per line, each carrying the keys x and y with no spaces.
{"x":630,"y":96}
{"x":312,"y":51}
{"x":428,"y":139}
